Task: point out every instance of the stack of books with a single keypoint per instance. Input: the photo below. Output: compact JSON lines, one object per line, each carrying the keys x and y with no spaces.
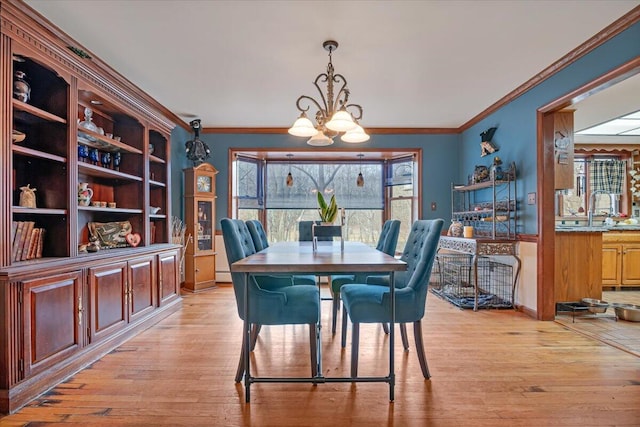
{"x":27,"y":240}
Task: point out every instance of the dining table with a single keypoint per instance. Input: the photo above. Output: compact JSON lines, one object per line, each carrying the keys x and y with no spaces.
{"x":325,"y":259}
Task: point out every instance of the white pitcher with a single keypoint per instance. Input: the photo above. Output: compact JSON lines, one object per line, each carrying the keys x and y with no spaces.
{"x":84,"y":194}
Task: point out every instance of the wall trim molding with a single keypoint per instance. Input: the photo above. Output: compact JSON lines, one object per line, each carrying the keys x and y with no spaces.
{"x":370,"y":131}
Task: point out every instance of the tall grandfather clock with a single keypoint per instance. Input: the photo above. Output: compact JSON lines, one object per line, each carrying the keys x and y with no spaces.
{"x":200,"y":211}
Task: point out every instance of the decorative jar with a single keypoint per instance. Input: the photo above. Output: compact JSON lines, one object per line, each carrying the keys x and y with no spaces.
{"x":21,"y":89}
{"x":84,"y":194}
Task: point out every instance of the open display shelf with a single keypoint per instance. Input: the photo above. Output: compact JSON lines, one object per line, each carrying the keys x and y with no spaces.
{"x":64,"y":306}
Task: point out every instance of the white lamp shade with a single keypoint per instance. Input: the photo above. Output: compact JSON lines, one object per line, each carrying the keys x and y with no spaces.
{"x":355,"y":135}
{"x":320,"y":140}
{"x":302,"y":127}
{"x":341,"y":121}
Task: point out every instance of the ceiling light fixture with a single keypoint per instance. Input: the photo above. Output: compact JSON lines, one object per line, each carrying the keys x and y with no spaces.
{"x":360,"y":179}
{"x":332,"y":116}
{"x":289,"y":179}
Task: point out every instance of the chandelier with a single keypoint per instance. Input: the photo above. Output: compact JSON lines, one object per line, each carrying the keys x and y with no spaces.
{"x":332,"y":116}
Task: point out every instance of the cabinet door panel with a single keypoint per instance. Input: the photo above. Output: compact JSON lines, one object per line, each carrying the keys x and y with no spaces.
{"x":168,"y":275}
{"x":107,"y":288}
{"x":205,"y":269}
{"x":142,"y":286}
{"x":611,"y":263}
{"x":53,"y":317}
{"x":631,"y":265}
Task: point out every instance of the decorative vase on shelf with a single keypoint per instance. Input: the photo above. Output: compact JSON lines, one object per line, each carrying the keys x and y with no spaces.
{"x":456,"y":229}
{"x":496,"y":169}
{"x":84,"y":194}
{"x":21,"y":89}
{"x":88,"y":124}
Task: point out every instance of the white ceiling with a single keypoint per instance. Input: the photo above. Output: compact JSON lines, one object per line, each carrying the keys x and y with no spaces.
{"x":408,"y":63}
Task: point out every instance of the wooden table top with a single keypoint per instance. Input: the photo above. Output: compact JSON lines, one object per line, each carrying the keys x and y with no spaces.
{"x":299,"y":257}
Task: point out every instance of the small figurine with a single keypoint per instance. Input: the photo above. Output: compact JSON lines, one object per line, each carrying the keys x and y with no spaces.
{"x":496,"y":169}
{"x":28,"y":197}
{"x":486,"y":146}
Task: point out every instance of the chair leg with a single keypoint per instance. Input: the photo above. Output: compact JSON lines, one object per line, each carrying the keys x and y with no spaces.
{"x":385,"y":328}
{"x":417,"y":334}
{"x":240,"y":370}
{"x":355,"y":338}
{"x":403,"y":334}
{"x":336,"y":307}
{"x":255,"y":331}
{"x":344,"y":326}
{"x":314,"y":349}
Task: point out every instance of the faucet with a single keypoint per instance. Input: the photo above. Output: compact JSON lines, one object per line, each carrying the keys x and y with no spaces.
{"x":592,"y":206}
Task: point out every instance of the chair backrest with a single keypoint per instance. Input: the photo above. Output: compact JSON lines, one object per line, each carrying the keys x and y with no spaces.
{"x":388,"y":239}
{"x":239,"y":245}
{"x":305,"y":232}
{"x":419,"y":254}
{"x":258,"y":234}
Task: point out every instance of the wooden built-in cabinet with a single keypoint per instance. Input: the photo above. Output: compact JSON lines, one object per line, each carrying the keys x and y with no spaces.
{"x":620,"y":259}
{"x":61,"y":307}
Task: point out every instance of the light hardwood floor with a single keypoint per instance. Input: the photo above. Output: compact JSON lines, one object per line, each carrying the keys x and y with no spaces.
{"x":489,"y":368}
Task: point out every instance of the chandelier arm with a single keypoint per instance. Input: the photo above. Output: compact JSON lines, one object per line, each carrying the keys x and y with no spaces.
{"x":324,"y":78}
{"x":358,"y":108}
{"x":343,"y":94}
{"x":311,"y":100}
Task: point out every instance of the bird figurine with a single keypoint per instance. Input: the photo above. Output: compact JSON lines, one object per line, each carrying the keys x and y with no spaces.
{"x":486,"y":146}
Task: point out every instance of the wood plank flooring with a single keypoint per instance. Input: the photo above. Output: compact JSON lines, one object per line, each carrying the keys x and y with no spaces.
{"x":489,"y":368}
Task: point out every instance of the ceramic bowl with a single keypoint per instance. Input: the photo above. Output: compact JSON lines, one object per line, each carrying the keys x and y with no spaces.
{"x":154,"y":210}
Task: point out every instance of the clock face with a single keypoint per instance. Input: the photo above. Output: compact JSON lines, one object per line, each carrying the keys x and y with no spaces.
{"x":204,"y":183}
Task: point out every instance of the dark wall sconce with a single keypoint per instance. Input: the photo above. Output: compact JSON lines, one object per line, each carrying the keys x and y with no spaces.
{"x":196,"y":149}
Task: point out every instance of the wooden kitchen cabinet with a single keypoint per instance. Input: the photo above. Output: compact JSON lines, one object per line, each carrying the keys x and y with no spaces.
{"x":578,"y":265}
{"x":620,"y":259}
{"x":611,"y":264}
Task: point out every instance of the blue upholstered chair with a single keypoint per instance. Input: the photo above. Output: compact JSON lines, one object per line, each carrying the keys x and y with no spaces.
{"x":371,"y":303}
{"x":273,"y":300}
{"x":387,"y":243}
{"x":259,"y":237}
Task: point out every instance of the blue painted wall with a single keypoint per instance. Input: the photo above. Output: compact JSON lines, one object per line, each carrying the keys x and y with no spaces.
{"x":516,"y":122}
{"x":439,"y":160}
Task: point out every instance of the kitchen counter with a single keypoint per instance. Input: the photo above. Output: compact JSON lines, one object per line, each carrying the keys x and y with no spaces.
{"x":578,"y":264}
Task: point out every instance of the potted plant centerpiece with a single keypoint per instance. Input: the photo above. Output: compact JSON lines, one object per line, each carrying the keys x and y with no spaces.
{"x":327,"y":229}
{"x":328,"y":212}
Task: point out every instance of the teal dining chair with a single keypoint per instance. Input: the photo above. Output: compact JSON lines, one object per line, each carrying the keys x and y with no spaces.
{"x":259,"y":237}
{"x":387,"y":242}
{"x":273,"y":300}
{"x":366,"y":303}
